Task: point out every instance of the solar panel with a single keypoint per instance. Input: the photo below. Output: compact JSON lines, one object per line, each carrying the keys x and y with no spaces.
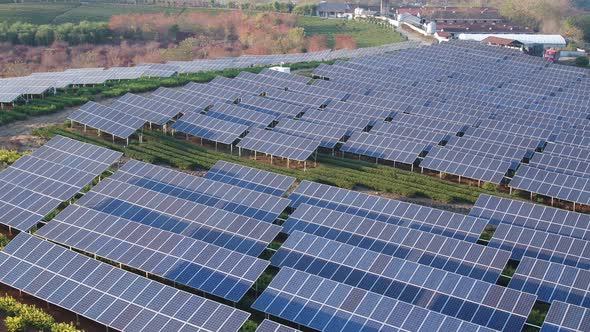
{"x":419,"y":246}
{"x":248,"y":87}
{"x":186,"y":101}
{"x":201,"y":222}
{"x":210,"y":91}
{"x":279,"y":144}
{"x":483,"y":134}
{"x":209,"y":128}
{"x":383,"y":147}
{"x":467,"y":164}
{"x":270,"y":106}
{"x":285,"y":76}
{"x":109,"y":120}
{"x":38,"y":183}
{"x":402,"y":132}
{"x":552,"y":281}
{"x":567,"y":187}
{"x":524,"y":242}
{"x":197,"y":264}
{"x":297,"y":98}
{"x":350,"y":123}
{"x":563,"y":317}
{"x":327,"y":135}
{"x":250,"y":203}
{"x":241,"y":115}
{"x":451,"y":294}
{"x":488,"y":149}
{"x":534,"y":216}
{"x":149,"y":110}
{"x":573,"y":152}
{"x":326,"y":305}
{"x":250,"y":178}
{"x":108,"y":295}
{"x":270,"y":326}
{"x":561,"y":164}
{"x":388,"y":210}
{"x":352,"y":109}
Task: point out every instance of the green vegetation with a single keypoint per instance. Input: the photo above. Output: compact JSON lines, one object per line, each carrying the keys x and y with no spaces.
{"x":24,"y":317}
{"x":581,"y":61}
{"x":7,"y":157}
{"x":365,"y":34}
{"x":249,"y":326}
{"x":346,"y":173}
{"x":19,"y":33}
{"x":37,"y":13}
{"x":538,"y":313}
{"x":3,"y":241}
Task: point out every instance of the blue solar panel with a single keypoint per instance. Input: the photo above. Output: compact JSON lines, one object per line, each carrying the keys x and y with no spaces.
{"x":270,"y":326}
{"x":441,"y":252}
{"x":38,"y":183}
{"x":206,"y":267}
{"x":553,"y":184}
{"x":205,"y":223}
{"x":388,"y":210}
{"x":383,"y":147}
{"x":209,"y":128}
{"x":279,"y":144}
{"x":563,"y":317}
{"x":113,"y":297}
{"x":326,"y":305}
{"x":534,"y":216}
{"x":552,"y":281}
{"x":250,"y":203}
{"x":525,"y":242}
{"x":466,"y":163}
{"x":107,"y":119}
{"x":327,"y":135}
{"x":451,"y":294}
{"x":250,"y":178}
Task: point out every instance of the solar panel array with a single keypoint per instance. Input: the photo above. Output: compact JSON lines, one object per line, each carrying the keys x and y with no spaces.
{"x":197,"y":264}
{"x":111,"y":296}
{"x":328,"y":136}
{"x":327,"y":305}
{"x":452,"y":294}
{"x":250,"y":178}
{"x":434,"y":250}
{"x":534,"y":216}
{"x":181,"y":216}
{"x":37,"y":184}
{"x":553,"y":281}
{"x":148,"y":109}
{"x":553,"y":184}
{"x":383,"y":147}
{"x":209,"y":128}
{"x":526,"y":242}
{"x":279,"y":144}
{"x":117,"y":122}
{"x":388,"y":210}
{"x":228,"y":197}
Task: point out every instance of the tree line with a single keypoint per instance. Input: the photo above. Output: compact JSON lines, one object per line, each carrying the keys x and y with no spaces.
{"x":19,"y":33}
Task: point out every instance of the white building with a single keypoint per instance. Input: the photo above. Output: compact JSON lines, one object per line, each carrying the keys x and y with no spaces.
{"x":527,"y":39}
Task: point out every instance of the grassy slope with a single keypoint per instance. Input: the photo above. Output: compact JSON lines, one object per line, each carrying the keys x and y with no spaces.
{"x":365,"y":34}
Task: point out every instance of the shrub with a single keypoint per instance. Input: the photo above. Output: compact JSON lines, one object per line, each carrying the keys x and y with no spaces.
{"x":582,"y":61}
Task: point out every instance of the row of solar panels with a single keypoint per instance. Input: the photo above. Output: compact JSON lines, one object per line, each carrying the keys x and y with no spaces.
{"x":493,"y":144}
{"x":351,"y":260}
{"x":11,"y":89}
{"x":341,"y":266}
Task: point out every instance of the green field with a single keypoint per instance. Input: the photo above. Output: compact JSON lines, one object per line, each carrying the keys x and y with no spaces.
{"x":365,"y":34}
{"x":33,"y":13}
